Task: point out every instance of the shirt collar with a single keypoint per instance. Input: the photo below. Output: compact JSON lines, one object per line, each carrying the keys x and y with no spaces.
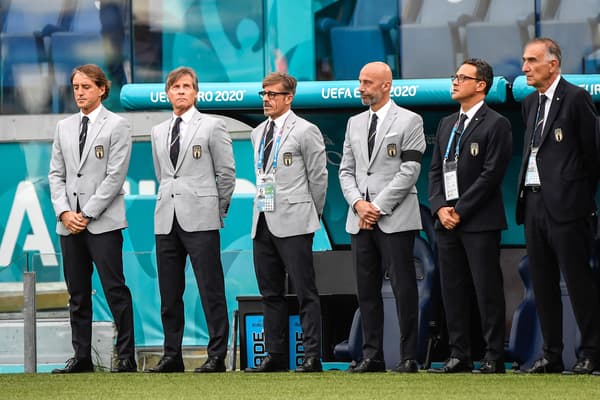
{"x":186,"y":117}
{"x":550,"y":92}
{"x":472,"y":111}
{"x":382,"y":112}
{"x":93,"y":115}
{"x":279,"y":121}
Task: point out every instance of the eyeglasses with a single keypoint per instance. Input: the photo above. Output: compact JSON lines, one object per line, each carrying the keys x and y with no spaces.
{"x":271,"y":95}
{"x":461,"y":78}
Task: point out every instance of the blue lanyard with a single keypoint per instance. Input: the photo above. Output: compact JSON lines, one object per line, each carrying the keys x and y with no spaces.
{"x":537,"y":115}
{"x":457,"y":148}
{"x":275,"y":151}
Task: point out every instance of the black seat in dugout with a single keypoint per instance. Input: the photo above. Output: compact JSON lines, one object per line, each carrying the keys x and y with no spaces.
{"x":370,"y":36}
{"x":427,"y":282}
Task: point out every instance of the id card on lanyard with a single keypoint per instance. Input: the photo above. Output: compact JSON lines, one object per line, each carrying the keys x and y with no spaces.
{"x":265,"y":183}
{"x":450,"y":168}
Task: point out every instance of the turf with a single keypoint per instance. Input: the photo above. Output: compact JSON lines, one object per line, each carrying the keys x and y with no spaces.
{"x":328,"y":385}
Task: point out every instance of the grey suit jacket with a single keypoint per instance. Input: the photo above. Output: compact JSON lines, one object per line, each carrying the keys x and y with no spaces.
{"x":390,"y":181}
{"x":198,"y":190}
{"x":300,"y":185}
{"x":97,"y":178}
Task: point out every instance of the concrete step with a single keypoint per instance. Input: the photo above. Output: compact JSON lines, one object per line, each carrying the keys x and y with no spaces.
{"x":49,"y":295}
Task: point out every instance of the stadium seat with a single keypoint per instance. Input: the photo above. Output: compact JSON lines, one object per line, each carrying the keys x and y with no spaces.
{"x":563,"y":21}
{"x":525,"y":341}
{"x":500,"y":38}
{"x":431,"y":45}
{"x":351,"y":349}
{"x":368,"y":37}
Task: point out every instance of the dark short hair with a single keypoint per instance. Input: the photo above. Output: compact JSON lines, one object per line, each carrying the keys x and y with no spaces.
{"x":552,"y":48}
{"x":484,"y":71}
{"x":178,"y":73}
{"x":287,"y":81}
{"x":96,"y":74}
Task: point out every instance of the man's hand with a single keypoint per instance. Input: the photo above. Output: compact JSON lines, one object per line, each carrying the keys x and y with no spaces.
{"x":367,"y":212}
{"x":362,"y":224}
{"x":74,"y":222}
{"x":448,"y":217}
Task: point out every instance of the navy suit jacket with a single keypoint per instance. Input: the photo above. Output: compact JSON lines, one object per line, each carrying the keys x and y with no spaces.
{"x":568,"y":161}
{"x":485,"y":150}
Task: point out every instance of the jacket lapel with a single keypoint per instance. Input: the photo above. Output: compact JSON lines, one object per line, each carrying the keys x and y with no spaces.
{"x":185,"y":142}
{"x":554,"y":108}
{"x":477,"y":119}
{"x":93,"y":132}
{"x":382,"y":131}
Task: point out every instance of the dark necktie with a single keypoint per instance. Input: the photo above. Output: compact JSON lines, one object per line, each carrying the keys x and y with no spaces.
{"x":372,"y":134}
{"x":459,"y":130}
{"x":83,"y":133}
{"x":539,"y":122}
{"x":268,"y":144}
{"x":174,"y":147}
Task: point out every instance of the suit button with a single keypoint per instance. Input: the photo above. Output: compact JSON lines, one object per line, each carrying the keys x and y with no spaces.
{"x":172,"y":195}
{"x":175,"y":177}
{"x":368,"y":174}
{"x":74,"y":194}
{"x":79,"y":175}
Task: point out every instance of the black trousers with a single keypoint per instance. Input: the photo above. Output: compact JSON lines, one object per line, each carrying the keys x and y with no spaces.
{"x":554,"y":248}
{"x":105,"y":250}
{"x":274,"y":256}
{"x":374,"y":253}
{"x":472,"y":260}
{"x":204,"y":249}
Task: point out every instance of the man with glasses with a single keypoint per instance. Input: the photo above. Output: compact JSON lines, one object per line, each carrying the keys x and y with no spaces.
{"x":557,"y":184}
{"x":291,"y":174}
{"x":470,"y":156}
{"x":380,"y":166}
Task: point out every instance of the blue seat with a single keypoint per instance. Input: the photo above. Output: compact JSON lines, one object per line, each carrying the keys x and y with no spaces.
{"x":524,"y":344}
{"x":368,"y":37}
{"x":426,"y":271}
{"x":432,"y":44}
{"x":564,"y":20}
{"x":500,"y":37}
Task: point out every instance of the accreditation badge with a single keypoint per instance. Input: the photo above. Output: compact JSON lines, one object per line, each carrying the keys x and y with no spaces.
{"x":196,"y":151}
{"x":99,"y":150}
{"x":265,"y":192}
{"x":450,"y":170}
{"x":532,"y":177}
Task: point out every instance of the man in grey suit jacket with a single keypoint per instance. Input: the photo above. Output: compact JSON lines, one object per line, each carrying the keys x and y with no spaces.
{"x":289,"y":155}
{"x":380,"y":165}
{"x":90,"y":158}
{"x":193,"y":162}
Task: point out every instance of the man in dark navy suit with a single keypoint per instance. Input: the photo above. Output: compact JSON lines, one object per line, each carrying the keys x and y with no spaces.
{"x":557,"y":184}
{"x":471,"y":153}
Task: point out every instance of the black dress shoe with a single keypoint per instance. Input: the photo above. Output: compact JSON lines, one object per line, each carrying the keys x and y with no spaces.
{"x":584,"y":366}
{"x":271,"y":363}
{"x":310,"y":364}
{"x":213,"y":364}
{"x":453,"y":365}
{"x":407,"y":366}
{"x":125,"y":365}
{"x":75,"y":365}
{"x":544,"y":366}
{"x":368,"y":365}
{"x":168,"y":364}
{"x":490,"y":367}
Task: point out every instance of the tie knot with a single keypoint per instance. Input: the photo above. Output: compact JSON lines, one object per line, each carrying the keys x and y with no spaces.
{"x":543,"y":99}
{"x":374,"y":118}
{"x":85,"y":120}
